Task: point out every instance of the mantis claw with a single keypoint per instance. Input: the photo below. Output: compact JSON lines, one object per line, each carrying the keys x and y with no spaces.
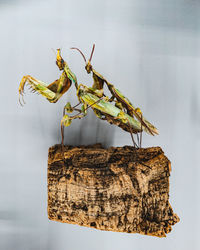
{"x":21,"y":90}
{"x":22,"y":97}
{"x":20,"y":101}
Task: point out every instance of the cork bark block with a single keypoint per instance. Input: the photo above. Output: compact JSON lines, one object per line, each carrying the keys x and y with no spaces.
{"x":119,"y":189}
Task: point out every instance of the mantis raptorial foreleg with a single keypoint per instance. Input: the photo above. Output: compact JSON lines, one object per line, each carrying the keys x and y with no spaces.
{"x":35,"y":85}
{"x":52,"y":91}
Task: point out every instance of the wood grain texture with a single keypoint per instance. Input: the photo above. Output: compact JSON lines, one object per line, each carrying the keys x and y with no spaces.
{"x":117,"y":189}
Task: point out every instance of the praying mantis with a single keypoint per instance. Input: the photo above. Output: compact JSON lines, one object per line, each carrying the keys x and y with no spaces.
{"x":117,"y":109}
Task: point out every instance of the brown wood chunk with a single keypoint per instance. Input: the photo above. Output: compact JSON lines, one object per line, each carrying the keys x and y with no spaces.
{"x":120,"y":189}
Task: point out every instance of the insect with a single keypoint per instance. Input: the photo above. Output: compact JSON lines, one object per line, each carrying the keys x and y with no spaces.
{"x":116,"y":110}
{"x":120,"y":100}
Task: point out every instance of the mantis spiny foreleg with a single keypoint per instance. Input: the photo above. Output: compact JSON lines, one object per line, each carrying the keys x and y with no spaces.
{"x":51,"y":92}
{"x":54,"y":90}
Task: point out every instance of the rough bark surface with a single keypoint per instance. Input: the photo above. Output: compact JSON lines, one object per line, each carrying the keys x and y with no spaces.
{"x":120,"y":189}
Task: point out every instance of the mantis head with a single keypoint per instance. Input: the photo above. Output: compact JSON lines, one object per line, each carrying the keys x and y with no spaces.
{"x":59,"y":60}
{"x":88,"y":65}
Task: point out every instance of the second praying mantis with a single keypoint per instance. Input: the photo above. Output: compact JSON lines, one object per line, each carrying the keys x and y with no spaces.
{"x":116,"y":109}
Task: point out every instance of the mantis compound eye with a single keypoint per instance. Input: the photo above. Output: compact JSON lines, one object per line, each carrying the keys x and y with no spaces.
{"x":138,"y":110}
{"x":88,"y":67}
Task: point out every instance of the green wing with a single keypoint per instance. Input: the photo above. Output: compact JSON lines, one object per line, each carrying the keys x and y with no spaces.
{"x":151,"y":128}
{"x":107,"y":108}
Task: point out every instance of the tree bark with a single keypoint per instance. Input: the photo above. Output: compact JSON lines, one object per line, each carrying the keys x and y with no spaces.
{"x":119,"y":189}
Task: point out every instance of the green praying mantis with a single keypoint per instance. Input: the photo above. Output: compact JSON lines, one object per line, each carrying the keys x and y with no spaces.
{"x":117,"y":109}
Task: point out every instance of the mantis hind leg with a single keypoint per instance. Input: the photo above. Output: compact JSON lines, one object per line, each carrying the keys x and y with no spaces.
{"x":131,"y":133}
{"x":141,"y":117}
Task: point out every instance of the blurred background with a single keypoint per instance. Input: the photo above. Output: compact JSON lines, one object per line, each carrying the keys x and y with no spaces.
{"x":150,"y":51}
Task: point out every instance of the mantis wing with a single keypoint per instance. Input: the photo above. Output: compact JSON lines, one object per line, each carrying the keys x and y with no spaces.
{"x":124,"y":120}
{"x":124,"y":100}
{"x":98,"y":84}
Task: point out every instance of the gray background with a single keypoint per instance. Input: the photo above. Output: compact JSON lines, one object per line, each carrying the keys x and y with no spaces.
{"x":150,"y":51}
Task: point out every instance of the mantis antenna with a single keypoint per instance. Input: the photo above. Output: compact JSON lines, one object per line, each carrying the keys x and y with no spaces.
{"x":80,"y":53}
{"x":92,"y":53}
{"x":83,"y":54}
